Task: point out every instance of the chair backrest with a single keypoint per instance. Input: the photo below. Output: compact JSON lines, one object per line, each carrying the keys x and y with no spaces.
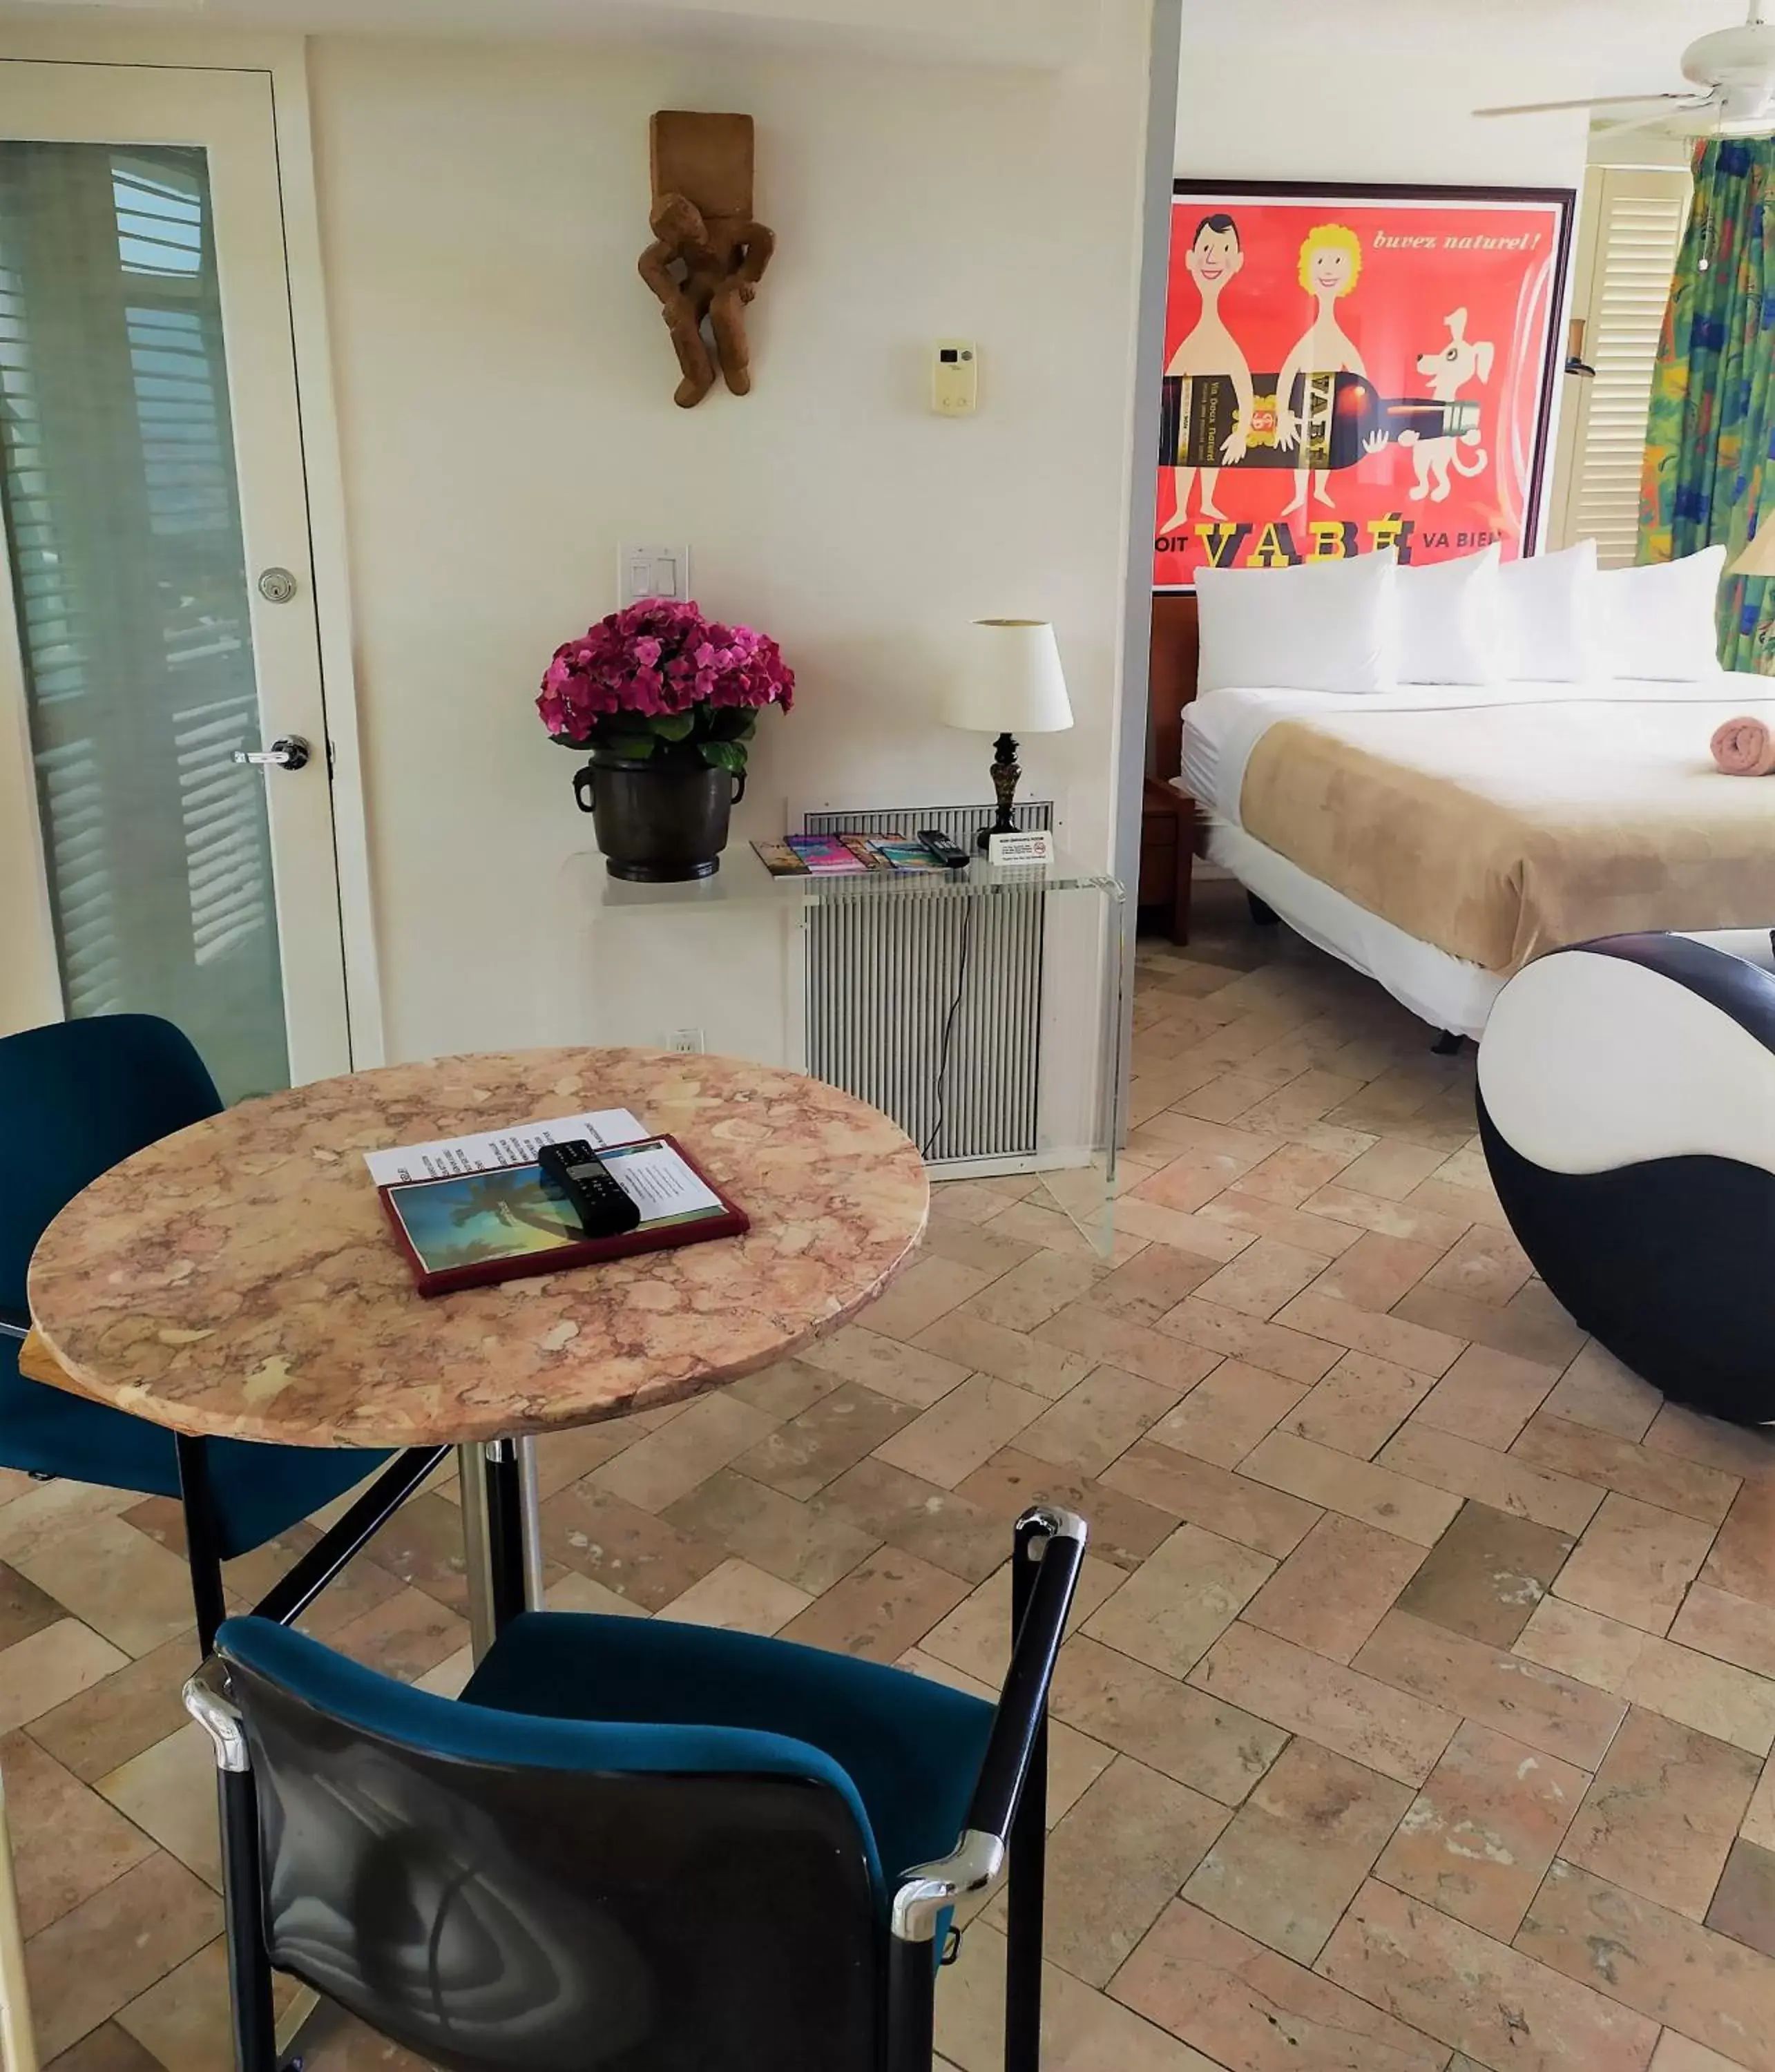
{"x":501,"y":1893}
{"x":76,"y":1098}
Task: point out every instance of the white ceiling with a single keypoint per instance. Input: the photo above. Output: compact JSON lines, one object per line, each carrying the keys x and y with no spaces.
{"x":1032,"y":32}
{"x":1575,"y":47}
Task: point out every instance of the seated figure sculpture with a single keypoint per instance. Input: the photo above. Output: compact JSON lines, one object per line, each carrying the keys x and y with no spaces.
{"x":708,"y":253}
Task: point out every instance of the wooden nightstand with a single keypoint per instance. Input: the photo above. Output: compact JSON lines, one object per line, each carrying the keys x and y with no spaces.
{"x":1168,"y":852}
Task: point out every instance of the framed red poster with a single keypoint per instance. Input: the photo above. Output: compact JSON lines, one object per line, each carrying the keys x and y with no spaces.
{"x":1353,"y":368}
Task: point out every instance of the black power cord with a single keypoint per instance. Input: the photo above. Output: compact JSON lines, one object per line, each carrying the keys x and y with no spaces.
{"x":949,"y":1023}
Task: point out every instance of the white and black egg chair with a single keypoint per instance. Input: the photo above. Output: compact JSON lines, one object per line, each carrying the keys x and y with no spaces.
{"x":1627,"y":1107}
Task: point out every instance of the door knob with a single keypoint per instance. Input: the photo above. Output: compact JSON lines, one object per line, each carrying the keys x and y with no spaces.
{"x":288,"y":751}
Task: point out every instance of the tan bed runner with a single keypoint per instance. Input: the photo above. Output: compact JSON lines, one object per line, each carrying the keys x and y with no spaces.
{"x":1499,"y":831}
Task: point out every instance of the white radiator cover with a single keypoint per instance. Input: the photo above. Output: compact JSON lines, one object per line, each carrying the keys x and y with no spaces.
{"x":881,"y":977}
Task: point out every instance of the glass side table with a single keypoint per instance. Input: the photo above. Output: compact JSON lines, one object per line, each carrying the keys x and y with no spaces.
{"x":981,"y":1008}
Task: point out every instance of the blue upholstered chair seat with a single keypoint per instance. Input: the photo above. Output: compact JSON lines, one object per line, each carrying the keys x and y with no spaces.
{"x":636,"y":1695}
{"x":257,"y":1491}
{"x":77,"y":1098}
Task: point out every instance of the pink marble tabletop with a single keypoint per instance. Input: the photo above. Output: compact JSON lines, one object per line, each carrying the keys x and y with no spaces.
{"x":239,"y":1279}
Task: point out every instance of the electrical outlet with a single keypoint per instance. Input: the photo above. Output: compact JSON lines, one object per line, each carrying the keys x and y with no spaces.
{"x":684,"y":1039}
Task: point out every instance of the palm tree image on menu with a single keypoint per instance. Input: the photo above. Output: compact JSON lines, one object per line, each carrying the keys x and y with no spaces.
{"x":473,"y":1216}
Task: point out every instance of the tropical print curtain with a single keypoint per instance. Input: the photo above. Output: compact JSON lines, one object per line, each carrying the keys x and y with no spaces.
{"x":1710,"y":451}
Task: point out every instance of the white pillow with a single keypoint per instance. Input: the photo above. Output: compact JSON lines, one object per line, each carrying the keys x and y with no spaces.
{"x":1448,"y":620}
{"x":1322,"y":626}
{"x":1544,"y":628}
{"x":1659,"y":621}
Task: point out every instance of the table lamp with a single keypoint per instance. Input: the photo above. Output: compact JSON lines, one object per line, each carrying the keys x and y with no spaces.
{"x":1008,"y":682}
{"x":1758,"y":558}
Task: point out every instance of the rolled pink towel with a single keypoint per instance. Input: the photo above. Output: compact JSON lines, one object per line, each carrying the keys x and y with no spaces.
{"x":1745,"y":747}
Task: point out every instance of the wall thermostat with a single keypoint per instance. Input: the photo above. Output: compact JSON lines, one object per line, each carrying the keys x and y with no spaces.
{"x":955,"y":377}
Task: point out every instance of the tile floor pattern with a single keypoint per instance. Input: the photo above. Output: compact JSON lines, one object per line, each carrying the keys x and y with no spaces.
{"x":1417,"y":1707}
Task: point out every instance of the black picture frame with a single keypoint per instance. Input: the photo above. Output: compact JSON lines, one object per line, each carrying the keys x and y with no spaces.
{"x":1218,"y":196}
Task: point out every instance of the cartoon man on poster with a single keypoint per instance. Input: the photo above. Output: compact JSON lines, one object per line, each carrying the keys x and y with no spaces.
{"x":1215,"y":257}
{"x":1331,"y":265}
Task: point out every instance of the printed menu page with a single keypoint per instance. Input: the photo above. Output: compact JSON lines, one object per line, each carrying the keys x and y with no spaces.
{"x":513,"y":1146}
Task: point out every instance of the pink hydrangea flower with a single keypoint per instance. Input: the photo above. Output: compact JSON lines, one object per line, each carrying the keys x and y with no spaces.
{"x":658,"y":657}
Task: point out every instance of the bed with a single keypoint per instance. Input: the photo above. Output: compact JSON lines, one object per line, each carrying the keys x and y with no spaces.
{"x":1437,"y":838}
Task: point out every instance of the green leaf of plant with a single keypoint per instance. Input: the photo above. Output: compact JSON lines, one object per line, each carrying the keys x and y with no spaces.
{"x":635,"y":747}
{"x":726,"y":755}
{"x":672,"y":726}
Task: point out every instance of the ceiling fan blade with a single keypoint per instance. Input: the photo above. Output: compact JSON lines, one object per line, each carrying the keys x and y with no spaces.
{"x":1702,"y":115}
{"x":1597,"y":100}
{"x":1636,"y":125}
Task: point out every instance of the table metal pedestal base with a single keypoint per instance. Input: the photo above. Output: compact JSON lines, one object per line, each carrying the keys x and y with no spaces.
{"x":502,"y":1534}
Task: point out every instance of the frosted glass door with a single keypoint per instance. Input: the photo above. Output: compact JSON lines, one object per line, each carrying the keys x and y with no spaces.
{"x":134,"y":597}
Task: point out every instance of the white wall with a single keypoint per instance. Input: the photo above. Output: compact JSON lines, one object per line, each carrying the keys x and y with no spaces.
{"x":1387,"y":94}
{"x":504,"y":389}
{"x":1374,"y":92}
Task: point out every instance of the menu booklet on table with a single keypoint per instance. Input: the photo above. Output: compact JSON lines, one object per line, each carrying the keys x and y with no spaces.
{"x":467,"y":1210}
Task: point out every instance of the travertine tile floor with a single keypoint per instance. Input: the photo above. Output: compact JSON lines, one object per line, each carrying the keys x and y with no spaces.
{"x":1418,"y":1703}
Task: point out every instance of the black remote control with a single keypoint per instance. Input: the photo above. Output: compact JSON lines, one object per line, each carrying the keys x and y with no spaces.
{"x":575,"y":1170}
{"x":943,"y":849}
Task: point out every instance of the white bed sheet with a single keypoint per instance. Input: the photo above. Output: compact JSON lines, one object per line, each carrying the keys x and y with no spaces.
{"x":1221,"y":728}
{"x":1446,"y":992}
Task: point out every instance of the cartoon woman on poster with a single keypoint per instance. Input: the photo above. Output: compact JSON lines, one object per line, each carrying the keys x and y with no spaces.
{"x":1331,"y":264}
{"x":1216,"y":255}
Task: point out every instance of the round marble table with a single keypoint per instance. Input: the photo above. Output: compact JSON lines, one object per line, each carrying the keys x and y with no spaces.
{"x":238,"y":1280}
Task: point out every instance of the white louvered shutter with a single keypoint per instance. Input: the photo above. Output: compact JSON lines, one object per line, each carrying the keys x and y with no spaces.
{"x":117,"y":475}
{"x":1634,"y":220}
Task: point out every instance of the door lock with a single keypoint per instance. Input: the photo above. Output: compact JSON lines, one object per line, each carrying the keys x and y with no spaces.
{"x":277,"y":586}
{"x":288,"y":751}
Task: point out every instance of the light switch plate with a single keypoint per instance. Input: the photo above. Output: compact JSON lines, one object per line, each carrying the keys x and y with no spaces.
{"x":652,"y":571}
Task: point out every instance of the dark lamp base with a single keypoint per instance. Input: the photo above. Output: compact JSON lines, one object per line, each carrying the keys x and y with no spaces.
{"x":1006,"y":774}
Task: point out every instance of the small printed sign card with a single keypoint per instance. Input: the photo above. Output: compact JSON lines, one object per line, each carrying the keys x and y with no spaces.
{"x":1033,"y":850}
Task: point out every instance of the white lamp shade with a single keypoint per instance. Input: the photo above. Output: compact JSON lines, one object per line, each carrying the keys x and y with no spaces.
{"x":1009,"y":679}
{"x":1758,"y":558}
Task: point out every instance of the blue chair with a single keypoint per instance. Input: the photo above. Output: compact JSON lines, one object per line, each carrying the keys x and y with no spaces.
{"x":77,"y":1098}
{"x":632,"y":1845}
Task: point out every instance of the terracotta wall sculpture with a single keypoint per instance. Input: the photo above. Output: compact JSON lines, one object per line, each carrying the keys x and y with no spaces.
{"x":708,"y":252}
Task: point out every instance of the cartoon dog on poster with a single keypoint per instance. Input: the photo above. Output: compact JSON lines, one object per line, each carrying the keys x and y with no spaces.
{"x":1447,"y":370}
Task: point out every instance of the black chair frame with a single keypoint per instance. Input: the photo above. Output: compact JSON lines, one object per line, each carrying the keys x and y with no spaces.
{"x":1005,"y":1826}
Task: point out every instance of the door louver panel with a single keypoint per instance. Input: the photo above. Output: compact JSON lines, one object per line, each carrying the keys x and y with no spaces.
{"x":1637,"y":223}
{"x":128,"y":565}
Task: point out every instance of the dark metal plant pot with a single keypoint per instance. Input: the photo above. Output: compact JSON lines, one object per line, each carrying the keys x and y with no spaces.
{"x":658,"y":821}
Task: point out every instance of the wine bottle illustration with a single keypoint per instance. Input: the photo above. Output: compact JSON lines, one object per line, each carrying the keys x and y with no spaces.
{"x":1340,"y":417}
